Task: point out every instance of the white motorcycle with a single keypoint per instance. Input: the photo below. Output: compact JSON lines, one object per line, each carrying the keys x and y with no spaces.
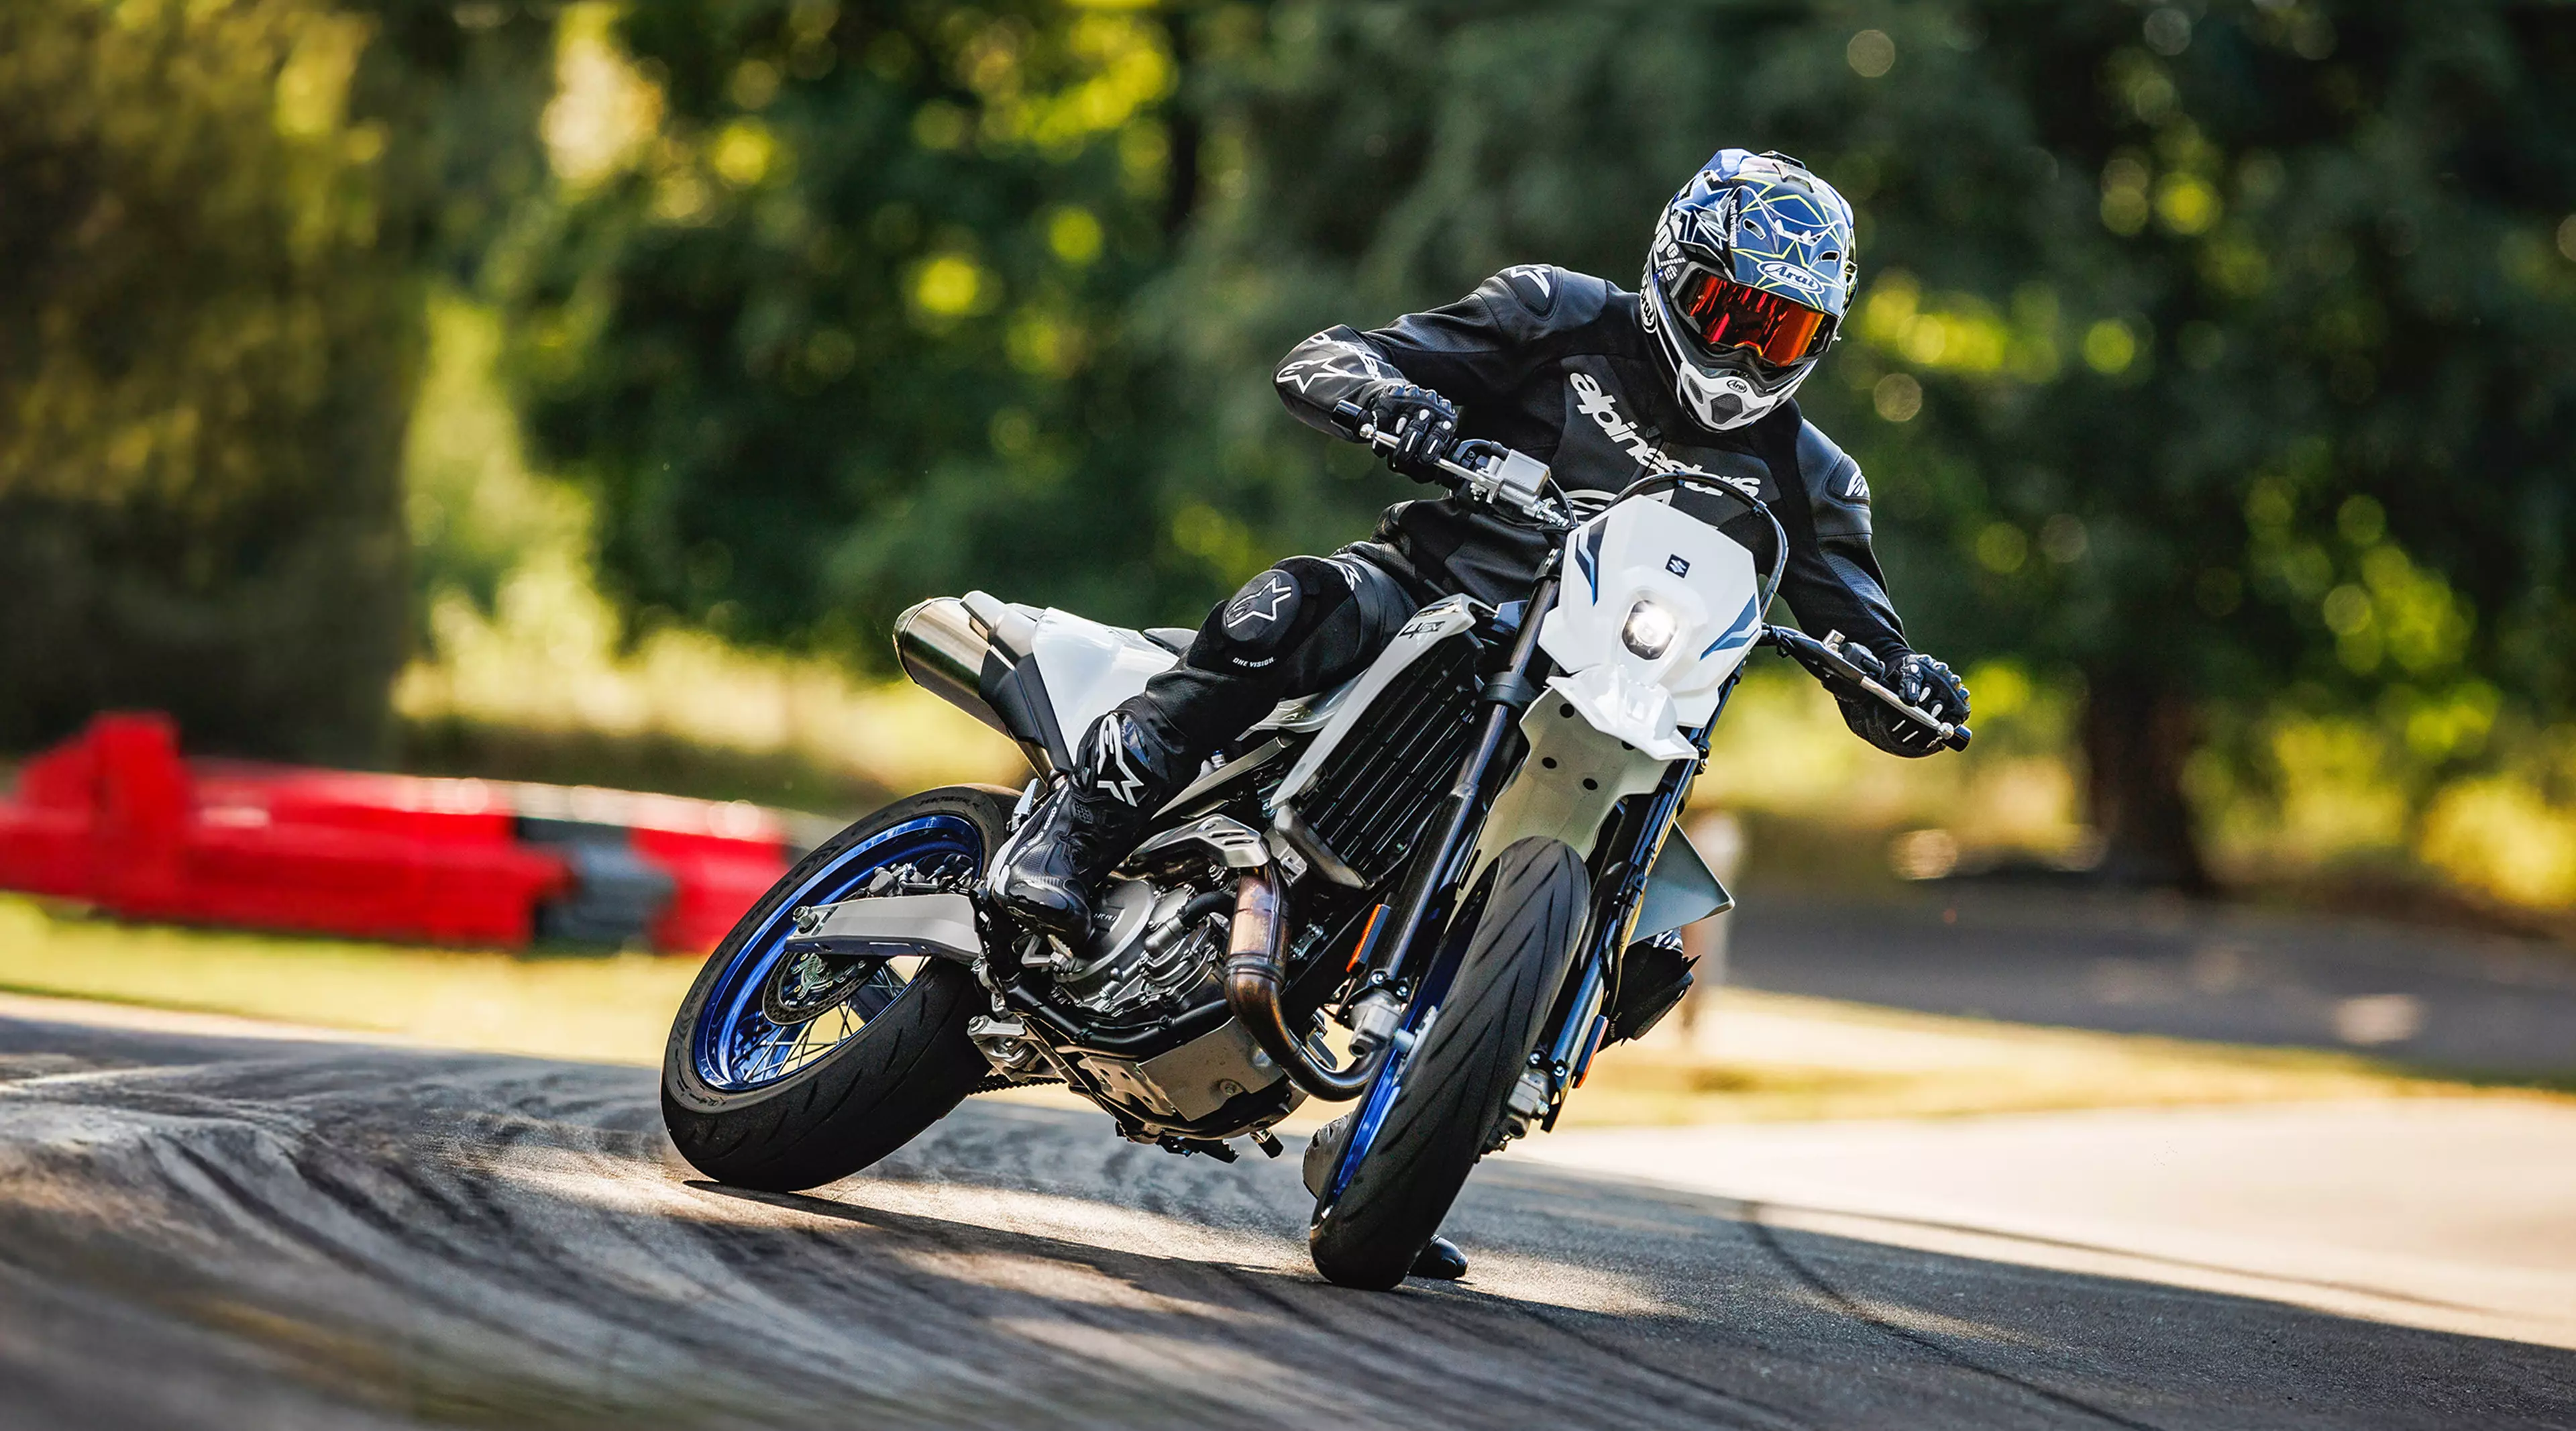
{"x":1463,"y":859}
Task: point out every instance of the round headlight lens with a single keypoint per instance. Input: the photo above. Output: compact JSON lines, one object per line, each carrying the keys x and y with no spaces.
{"x":1650,"y":628}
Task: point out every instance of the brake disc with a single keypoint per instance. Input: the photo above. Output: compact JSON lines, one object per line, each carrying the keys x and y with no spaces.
{"x":811,"y":985}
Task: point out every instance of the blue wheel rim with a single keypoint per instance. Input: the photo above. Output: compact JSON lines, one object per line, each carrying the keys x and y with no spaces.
{"x":736,"y":1046}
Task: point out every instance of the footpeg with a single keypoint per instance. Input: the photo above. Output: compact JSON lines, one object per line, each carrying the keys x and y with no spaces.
{"x":1005,"y":1044}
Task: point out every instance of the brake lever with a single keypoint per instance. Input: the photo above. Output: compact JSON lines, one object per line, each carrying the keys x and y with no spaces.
{"x":1831,"y":660}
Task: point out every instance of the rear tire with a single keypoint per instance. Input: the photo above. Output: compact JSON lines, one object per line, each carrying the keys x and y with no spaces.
{"x":1450,"y":1104}
{"x":902,"y":1070}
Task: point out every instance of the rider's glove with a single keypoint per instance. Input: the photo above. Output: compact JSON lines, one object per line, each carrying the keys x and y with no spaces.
{"x":1921,"y":682}
{"x":1422,"y":423}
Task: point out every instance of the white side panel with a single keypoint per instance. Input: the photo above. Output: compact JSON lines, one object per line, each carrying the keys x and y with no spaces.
{"x":1430,"y":626}
{"x":1310,"y":712}
{"x":1705,"y":581}
{"x":1089,"y":667}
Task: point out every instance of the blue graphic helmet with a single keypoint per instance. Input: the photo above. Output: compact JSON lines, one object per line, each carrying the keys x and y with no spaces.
{"x":1749,"y":278}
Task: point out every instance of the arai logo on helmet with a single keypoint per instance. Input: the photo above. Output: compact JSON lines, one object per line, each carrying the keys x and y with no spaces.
{"x":1790,"y":275}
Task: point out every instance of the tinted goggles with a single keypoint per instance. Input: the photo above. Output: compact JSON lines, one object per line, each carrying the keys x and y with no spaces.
{"x":1719,"y":313}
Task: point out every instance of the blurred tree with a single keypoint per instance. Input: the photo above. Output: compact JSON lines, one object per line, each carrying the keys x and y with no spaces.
{"x":832,"y":312}
{"x":2223,"y":354}
{"x":210,"y":218}
{"x":2216,"y":353}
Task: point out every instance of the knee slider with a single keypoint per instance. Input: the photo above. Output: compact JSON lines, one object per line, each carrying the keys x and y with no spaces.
{"x":1271,"y":614}
{"x":1251,"y":629}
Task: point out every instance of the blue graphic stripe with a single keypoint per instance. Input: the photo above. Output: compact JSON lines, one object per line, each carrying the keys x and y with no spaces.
{"x":1739,"y":633}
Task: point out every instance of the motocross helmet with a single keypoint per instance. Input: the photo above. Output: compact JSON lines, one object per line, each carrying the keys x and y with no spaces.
{"x":1749,"y":278}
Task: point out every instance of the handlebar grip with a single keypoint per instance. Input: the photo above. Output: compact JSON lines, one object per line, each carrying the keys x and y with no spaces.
{"x":1831,"y":662}
{"x":1354,"y":420}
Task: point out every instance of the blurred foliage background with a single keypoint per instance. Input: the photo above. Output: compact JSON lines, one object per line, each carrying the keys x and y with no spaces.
{"x":578,"y":390}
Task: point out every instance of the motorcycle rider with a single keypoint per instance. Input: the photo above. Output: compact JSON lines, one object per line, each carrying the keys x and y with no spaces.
{"x":1750,"y":273}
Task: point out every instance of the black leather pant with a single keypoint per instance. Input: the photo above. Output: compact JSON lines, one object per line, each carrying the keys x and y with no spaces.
{"x":1303,"y":626}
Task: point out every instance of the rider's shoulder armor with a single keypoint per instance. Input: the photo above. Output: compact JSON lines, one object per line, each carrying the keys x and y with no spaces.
{"x":1836,"y":490}
{"x":1532,"y":302}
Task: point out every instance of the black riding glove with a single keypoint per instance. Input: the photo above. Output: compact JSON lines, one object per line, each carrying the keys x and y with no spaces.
{"x":1923,"y":683}
{"x":1423,"y":423}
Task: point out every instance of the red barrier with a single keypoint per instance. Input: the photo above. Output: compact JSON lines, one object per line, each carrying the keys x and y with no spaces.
{"x":116,"y":818}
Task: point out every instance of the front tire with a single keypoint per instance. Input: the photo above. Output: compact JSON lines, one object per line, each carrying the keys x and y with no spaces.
{"x":1449,"y":1103}
{"x":754,"y":1097}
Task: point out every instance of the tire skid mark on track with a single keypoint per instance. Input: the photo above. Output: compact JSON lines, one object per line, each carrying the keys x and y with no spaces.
{"x":1752,"y":1412}
{"x":334,"y":1235}
{"x":1862,"y":1311}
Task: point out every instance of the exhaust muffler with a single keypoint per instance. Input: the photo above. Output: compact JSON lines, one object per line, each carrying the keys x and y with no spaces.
{"x":946,"y":653}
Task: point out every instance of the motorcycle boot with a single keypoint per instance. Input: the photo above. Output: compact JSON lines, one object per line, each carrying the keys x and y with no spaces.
{"x":1055,"y":864}
{"x":1439,"y":1261}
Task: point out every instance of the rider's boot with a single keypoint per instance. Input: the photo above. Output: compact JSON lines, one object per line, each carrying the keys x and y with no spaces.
{"x":1439,"y":1261}
{"x":1090,"y":821}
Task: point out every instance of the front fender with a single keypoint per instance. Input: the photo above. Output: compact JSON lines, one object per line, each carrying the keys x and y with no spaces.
{"x":1565,"y":788}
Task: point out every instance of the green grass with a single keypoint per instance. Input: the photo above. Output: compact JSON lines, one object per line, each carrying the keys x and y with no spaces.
{"x":1757,"y":1056}
{"x":615,"y":1009}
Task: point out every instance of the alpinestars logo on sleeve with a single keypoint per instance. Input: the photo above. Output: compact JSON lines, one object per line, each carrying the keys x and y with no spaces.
{"x":1352,"y":362}
{"x":1536,"y":275}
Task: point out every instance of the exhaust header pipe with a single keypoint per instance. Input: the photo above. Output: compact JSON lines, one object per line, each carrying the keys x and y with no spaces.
{"x":1252,"y":982}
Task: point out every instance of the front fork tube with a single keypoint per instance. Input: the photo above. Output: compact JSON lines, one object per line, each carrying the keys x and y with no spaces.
{"x":1579,"y":1024}
{"x":1398,"y":957}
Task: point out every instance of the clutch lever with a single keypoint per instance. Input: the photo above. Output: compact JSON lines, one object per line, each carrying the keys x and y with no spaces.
{"x":1833,"y":659}
{"x":1508,"y":479}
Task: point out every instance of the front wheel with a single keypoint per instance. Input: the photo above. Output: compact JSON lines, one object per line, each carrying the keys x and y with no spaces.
{"x":785,"y":1073}
{"x":1418,"y":1135}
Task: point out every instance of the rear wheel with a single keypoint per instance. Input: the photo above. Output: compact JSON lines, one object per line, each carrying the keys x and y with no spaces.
{"x":1417,"y":1136}
{"x":785,"y":1073}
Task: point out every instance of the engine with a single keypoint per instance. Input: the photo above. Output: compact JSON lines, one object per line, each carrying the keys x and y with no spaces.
{"x":1160,"y":956}
{"x":1156,"y":942}
{"x":1161,"y":1048}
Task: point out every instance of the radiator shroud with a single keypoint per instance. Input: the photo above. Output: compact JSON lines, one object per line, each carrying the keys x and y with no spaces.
{"x":1373,"y":795}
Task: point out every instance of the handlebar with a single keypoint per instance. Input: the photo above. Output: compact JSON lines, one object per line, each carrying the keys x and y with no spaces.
{"x":1501,"y":476}
{"x":1832,"y":660}
{"x":1517,"y":481}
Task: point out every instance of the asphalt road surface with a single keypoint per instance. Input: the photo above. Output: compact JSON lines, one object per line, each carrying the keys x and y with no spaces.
{"x":235,"y":1232}
{"x":2441,"y":998}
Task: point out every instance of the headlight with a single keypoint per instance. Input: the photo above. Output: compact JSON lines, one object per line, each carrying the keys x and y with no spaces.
{"x":1649,"y":632}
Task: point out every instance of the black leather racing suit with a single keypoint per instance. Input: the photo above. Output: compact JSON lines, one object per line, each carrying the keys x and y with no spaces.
{"x":1552,"y":363}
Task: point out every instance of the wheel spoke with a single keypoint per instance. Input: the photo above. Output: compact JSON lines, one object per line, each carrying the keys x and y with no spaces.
{"x":757,"y":1047}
